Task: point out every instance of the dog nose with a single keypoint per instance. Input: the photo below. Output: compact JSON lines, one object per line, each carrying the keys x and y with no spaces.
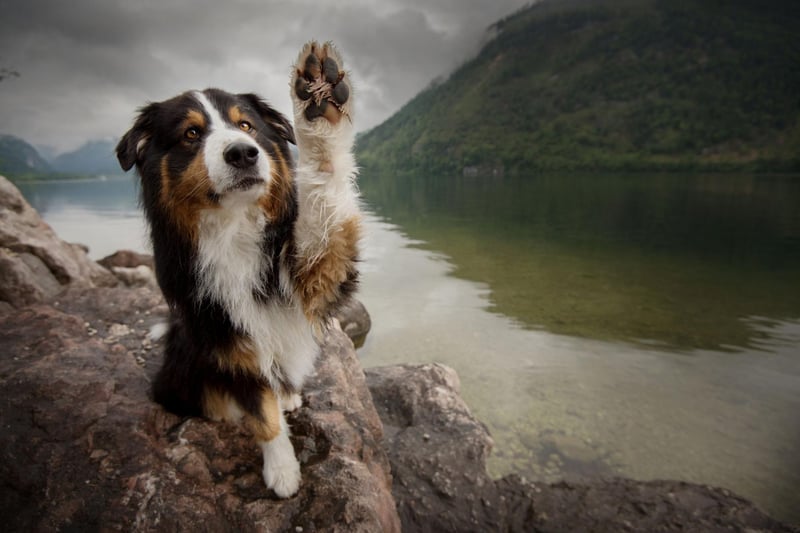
{"x":241,"y":155}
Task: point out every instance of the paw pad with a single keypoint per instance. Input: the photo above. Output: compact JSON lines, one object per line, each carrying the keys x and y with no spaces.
{"x":321,"y":83}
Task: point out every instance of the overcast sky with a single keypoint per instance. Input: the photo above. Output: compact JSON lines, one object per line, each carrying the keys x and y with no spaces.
{"x":86,"y":65}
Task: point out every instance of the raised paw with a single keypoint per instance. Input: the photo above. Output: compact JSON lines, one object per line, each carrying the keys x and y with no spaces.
{"x":320,"y":84}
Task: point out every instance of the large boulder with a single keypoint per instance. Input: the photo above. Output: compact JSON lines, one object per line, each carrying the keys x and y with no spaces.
{"x":34,"y":263}
{"x":84,"y":448}
{"x":438,"y":454}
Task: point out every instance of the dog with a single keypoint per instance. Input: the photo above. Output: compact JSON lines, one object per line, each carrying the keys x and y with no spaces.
{"x":254,"y":252}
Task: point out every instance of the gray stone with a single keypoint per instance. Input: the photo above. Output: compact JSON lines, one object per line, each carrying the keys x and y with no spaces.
{"x":25,"y":279}
{"x":355,"y":321}
{"x":140,"y":276}
{"x":127,"y":259}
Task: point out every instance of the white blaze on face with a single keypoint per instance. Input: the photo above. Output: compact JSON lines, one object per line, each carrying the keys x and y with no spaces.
{"x":220,"y":135}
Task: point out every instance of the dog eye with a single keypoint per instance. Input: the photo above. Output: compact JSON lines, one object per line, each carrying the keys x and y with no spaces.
{"x":245,"y":126}
{"x":192,"y":133}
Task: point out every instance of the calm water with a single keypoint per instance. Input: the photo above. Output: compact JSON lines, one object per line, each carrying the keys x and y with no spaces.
{"x":643,"y":326}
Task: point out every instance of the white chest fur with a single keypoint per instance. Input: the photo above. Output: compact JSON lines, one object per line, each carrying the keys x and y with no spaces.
{"x":230,"y":266}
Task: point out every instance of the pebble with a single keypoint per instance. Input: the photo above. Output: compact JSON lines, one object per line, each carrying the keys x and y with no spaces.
{"x":118,"y":330}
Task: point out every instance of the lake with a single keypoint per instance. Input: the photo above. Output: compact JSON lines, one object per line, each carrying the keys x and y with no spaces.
{"x":645,"y":326}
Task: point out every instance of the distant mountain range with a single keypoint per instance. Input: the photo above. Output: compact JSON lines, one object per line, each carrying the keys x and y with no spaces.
{"x":611,"y":85}
{"x":17,"y":157}
{"x":94,"y":157}
{"x":20,"y":160}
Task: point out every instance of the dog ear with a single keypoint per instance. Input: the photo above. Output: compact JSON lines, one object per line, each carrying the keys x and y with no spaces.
{"x":271,"y":117}
{"x":132,"y":145}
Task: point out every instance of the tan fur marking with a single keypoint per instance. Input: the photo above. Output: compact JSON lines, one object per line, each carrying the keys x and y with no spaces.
{"x":319,"y":282}
{"x":275,"y":202}
{"x":194,"y":118}
{"x":266,"y":429}
{"x":241,"y":360}
{"x":235,"y":114}
{"x":183,"y":198}
{"x":216,"y":404}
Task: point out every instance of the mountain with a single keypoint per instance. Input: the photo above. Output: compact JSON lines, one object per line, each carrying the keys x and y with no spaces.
{"x":611,"y":85}
{"x":94,"y":157}
{"x":17,"y":157}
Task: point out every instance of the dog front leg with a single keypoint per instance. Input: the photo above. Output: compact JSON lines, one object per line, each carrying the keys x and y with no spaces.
{"x":328,"y":227}
{"x":281,"y":469}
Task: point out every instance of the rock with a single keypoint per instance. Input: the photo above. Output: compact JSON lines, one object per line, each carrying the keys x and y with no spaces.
{"x":127,"y":259}
{"x":25,"y":279}
{"x":627,"y":505}
{"x":569,"y":447}
{"x":84,"y":448}
{"x":132,"y":268}
{"x":355,"y":321}
{"x":33,"y":256}
{"x":140,"y":276}
{"x":438,"y":452}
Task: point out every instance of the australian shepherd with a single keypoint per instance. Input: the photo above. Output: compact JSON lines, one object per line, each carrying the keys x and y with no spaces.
{"x":253,"y":251}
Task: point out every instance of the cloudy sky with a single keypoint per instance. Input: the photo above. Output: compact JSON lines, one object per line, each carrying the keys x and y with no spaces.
{"x":86,"y":65}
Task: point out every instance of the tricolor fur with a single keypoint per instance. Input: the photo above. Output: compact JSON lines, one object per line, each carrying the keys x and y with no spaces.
{"x":253,"y":252}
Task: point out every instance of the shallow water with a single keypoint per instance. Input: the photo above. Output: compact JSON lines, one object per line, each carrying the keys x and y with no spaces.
{"x":561,"y":406}
{"x":617,"y":327}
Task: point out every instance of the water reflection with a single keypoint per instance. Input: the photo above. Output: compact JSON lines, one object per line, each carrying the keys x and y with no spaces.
{"x":672,"y":261}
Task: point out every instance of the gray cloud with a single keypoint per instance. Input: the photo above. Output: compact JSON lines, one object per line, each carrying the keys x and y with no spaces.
{"x":86,"y":65}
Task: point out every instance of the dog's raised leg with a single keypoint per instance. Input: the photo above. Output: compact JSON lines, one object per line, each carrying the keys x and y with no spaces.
{"x":328,"y":225}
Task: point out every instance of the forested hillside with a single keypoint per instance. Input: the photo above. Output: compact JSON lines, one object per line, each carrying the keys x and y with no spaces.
{"x":611,"y":85}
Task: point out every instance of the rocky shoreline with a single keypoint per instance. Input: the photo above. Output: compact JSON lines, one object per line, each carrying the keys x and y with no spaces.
{"x":395,"y":448}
